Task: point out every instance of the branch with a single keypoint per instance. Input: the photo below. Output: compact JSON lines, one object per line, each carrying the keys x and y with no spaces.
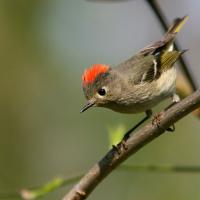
{"x":142,"y":137}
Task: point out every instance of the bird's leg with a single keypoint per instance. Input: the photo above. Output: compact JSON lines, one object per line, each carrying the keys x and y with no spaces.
{"x":175,"y":99}
{"x":156,"y":120}
{"x":148,"y":115}
{"x":122,"y":144}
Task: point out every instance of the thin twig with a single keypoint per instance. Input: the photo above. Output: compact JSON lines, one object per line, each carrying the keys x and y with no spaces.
{"x":37,"y":192}
{"x":145,"y":135}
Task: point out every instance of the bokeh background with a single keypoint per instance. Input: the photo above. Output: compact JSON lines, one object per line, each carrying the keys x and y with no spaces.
{"x":44,"y":48}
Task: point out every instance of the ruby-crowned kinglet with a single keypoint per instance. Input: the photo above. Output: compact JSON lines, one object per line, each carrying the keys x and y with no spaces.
{"x":139,"y":83}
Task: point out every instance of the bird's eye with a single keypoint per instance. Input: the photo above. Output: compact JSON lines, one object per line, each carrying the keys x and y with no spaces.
{"x":102,"y":92}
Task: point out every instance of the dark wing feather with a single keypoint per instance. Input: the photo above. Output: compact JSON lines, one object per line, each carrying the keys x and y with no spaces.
{"x":159,"y":45}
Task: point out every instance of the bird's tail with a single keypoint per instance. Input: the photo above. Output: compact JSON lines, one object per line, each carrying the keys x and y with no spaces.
{"x":166,"y":43}
{"x":177,"y":25}
{"x":169,"y":36}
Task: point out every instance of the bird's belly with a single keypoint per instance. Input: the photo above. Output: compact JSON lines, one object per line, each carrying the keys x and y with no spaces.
{"x":166,"y":83}
{"x":163,"y":88}
{"x":134,"y":107}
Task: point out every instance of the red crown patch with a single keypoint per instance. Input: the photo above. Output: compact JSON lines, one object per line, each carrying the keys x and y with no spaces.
{"x":91,"y":73}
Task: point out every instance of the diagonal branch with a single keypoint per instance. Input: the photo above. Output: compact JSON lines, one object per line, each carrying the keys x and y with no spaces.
{"x":142,"y":137}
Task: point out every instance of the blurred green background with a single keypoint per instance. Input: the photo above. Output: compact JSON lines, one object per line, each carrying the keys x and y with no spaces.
{"x":45,"y":46}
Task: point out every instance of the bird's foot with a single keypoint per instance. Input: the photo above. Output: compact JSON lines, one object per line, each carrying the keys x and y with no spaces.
{"x":124,"y":145}
{"x":171,"y":129}
{"x":156,"y":121}
{"x":175,"y":100}
{"x":121,"y":146}
{"x":117,"y":149}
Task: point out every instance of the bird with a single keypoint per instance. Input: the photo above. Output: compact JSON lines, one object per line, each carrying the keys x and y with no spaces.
{"x":139,"y":83}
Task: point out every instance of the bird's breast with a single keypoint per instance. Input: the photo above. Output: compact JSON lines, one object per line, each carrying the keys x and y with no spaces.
{"x":145,"y":96}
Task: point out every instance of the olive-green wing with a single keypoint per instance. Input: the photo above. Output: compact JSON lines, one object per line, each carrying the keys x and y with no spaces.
{"x":149,"y":67}
{"x":161,"y":63}
{"x":167,"y":59}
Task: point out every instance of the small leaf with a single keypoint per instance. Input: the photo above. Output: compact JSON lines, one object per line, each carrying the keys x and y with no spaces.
{"x":39,"y":192}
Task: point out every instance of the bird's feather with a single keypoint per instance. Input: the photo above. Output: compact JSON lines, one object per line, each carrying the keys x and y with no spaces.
{"x":167,"y":59}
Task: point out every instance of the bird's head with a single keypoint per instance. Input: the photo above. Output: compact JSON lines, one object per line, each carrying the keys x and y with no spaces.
{"x":98,"y":83}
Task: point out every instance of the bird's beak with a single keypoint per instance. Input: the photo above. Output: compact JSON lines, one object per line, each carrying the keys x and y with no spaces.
{"x":89,"y":104}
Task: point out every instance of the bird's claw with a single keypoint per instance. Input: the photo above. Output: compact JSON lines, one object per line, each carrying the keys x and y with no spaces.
{"x":156,"y":121}
{"x":171,"y":129}
{"x":116,"y":148}
{"x":121,"y":146}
